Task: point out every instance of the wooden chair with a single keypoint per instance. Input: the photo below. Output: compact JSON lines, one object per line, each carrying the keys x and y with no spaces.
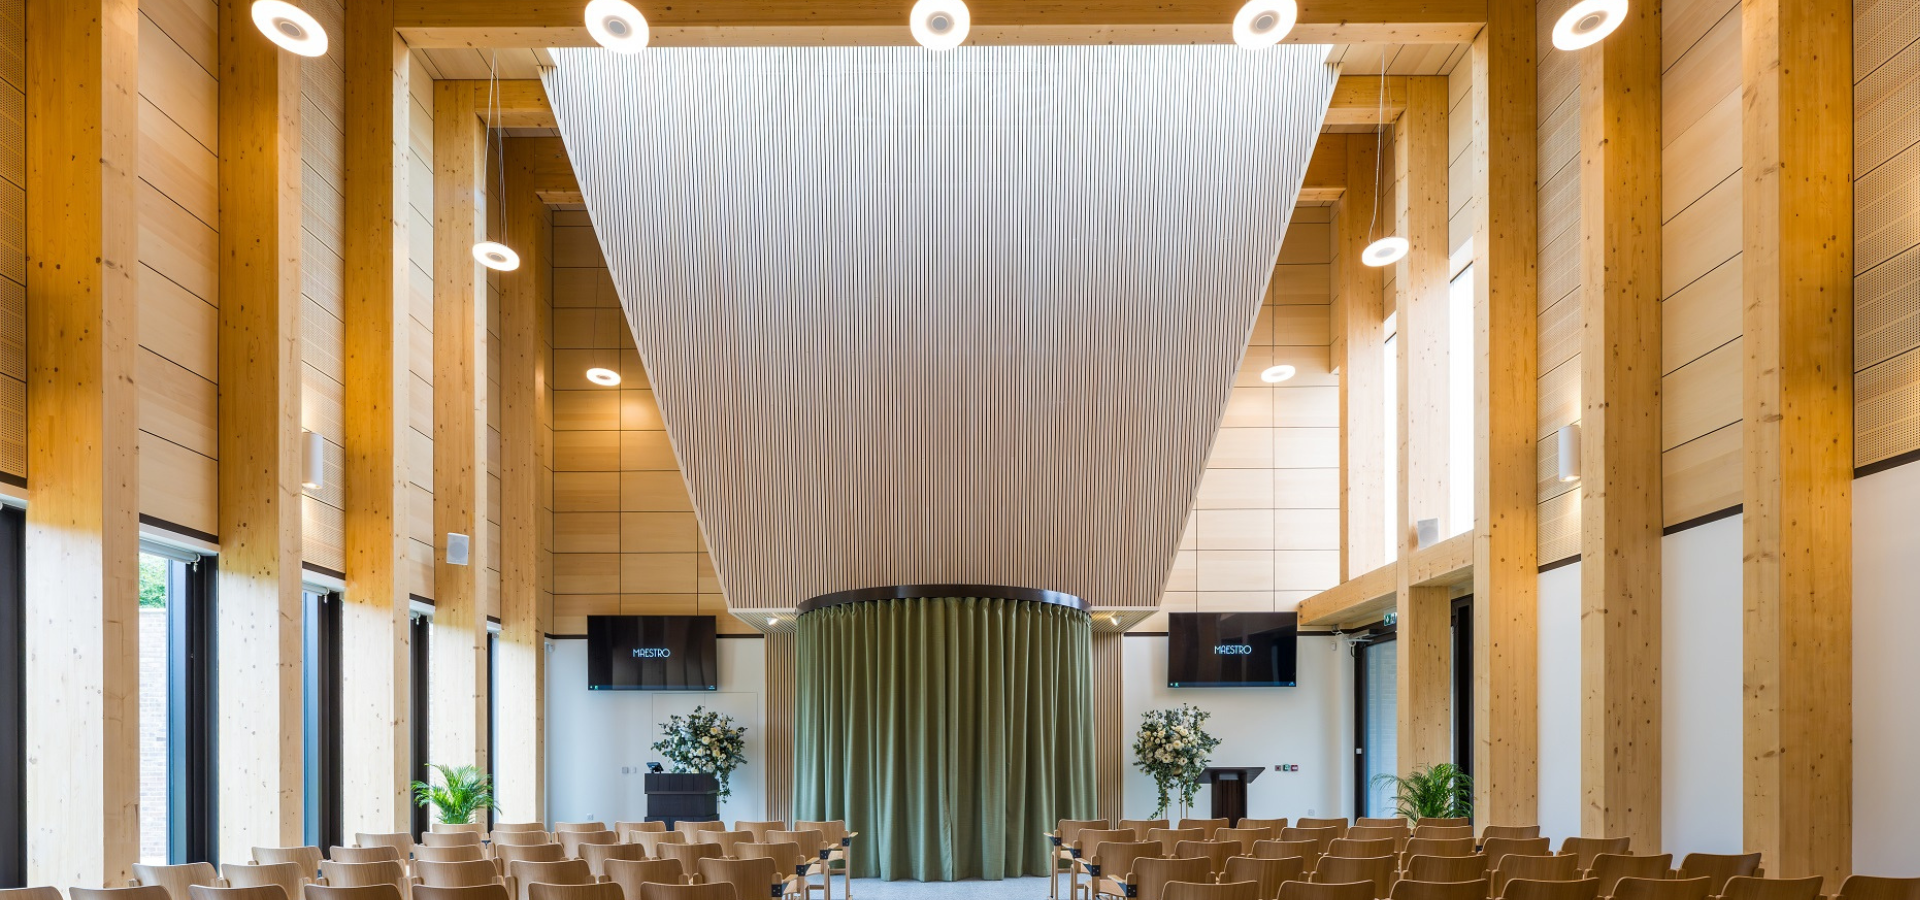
{"x":1171,"y":836}
{"x":1573,"y":889}
{"x":521,"y":874}
{"x":1381,"y":870}
{"x":840,"y":849}
{"x":520,"y":838}
{"x":479,"y":828}
{"x":1151,"y":875}
{"x":1408,"y":889}
{"x":1268,"y":874}
{"x":1497,"y":848}
{"x":256,"y":892}
{"x":307,"y":858}
{"x":579,"y":826}
{"x":1140,"y":827}
{"x":596,"y":855}
{"x":1660,"y":889}
{"x":136,"y":892}
{"x":1352,"y":849}
{"x":789,"y":858}
{"x":1187,"y":890}
{"x":1433,"y":820}
{"x":450,"y":839}
{"x":495,"y":891}
{"x":571,"y":841}
{"x":1609,"y":868}
{"x":1303,"y":890}
{"x":1747,"y":887}
{"x":466,"y":873}
{"x":1514,"y":832}
{"x":652,"y":840}
{"x":1443,"y":831}
{"x":382,"y":891}
{"x":1308,"y":852}
{"x":751,"y":878}
{"x":1109,"y":864}
{"x":758,"y":829}
{"x":814,"y":845}
{"x":1875,"y":887}
{"x":652,"y":891}
{"x":630,"y":874}
{"x":289,"y":877}
{"x":176,"y":880}
{"x":1720,"y":867}
{"x":1424,"y":846}
{"x":1339,"y":825}
{"x":693,"y":829}
{"x":1066,"y":844}
{"x":506,"y":855}
{"x":596,"y":890}
{"x":30,"y":893}
{"x":1389,"y":822}
{"x":1087,"y":846}
{"x":455,"y":853}
{"x":1208,"y":826}
{"x":518,"y":826}
{"x":726,"y":840}
{"x":1377,"y":832}
{"x":1446,"y":868}
{"x":690,"y":855}
{"x":378,"y":853}
{"x":1585,"y":849}
{"x":400,"y":841}
{"x":1243,"y":838}
{"x":1275,"y":824}
{"x":1322,"y":836}
{"x":1216,"y":853}
{"x":362,"y":875}
{"x":1533,"y":868}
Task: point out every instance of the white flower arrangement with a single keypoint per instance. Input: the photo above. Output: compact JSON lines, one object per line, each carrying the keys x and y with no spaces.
{"x":1173,"y":748}
{"x":704,"y":742}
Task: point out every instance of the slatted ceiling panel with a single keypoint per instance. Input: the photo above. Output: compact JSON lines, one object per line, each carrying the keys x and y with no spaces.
{"x":322,"y":287}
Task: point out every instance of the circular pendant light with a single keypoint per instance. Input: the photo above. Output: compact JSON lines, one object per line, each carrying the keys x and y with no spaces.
{"x":1263,"y":23}
{"x":603,"y":377}
{"x":496,"y":256}
{"x":1276,"y":374}
{"x":1587,"y":23}
{"x":289,"y":26}
{"x":940,"y":24}
{"x":1384,"y":252}
{"x":617,"y":26}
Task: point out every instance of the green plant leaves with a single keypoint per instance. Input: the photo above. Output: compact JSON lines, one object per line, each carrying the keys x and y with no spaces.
{"x":704,"y":742}
{"x":1439,"y":791}
{"x":463,"y":791}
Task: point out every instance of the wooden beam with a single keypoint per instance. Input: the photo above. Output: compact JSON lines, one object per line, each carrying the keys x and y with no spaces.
{"x":459,"y":645}
{"x":1358,"y":350}
{"x":513,"y":102}
{"x":1367,"y":100}
{"x":1506,"y":640}
{"x":1796,"y":157}
{"x":82,"y":540}
{"x":374,"y":681}
{"x":1326,"y":178}
{"x":1358,"y":601}
{"x":261,"y":759}
{"x":558,"y":23}
{"x":1446,"y":564}
{"x":1620,"y":431}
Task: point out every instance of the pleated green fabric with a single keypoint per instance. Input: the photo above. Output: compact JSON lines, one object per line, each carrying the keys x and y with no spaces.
{"x":951,"y":733}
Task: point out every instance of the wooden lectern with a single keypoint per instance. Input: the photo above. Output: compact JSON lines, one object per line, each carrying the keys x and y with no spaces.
{"x":1230,"y":790}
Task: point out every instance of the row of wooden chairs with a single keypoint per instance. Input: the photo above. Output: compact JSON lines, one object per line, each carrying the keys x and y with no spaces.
{"x":711,"y":890}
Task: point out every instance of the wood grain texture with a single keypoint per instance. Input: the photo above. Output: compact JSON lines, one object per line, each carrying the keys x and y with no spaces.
{"x":82,"y":539}
{"x":783,"y":676}
{"x":261,"y":759}
{"x":323,"y":348}
{"x":1359,"y":315}
{"x":1506,"y":644}
{"x":1110,"y":727}
{"x":1796,"y":159}
{"x":1360,"y":600}
{"x":1367,"y":100}
{"x":374,"y":679}
{"x":951,"y":495}
{"x":1557,"y":274}
{"x":1620,"y":507}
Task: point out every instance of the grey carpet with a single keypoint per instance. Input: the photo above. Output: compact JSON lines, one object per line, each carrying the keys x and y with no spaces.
{"x":1010,"y":889}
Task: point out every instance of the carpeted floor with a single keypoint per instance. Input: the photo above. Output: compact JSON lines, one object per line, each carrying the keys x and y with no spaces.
{"x":1010,"y":889}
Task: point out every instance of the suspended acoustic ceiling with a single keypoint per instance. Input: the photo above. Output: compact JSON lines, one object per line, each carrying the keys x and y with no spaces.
{"x":965,"y":317}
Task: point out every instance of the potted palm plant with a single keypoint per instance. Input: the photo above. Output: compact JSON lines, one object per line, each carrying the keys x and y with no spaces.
{"x":464,"y":791}
{"x":1439,"y":791}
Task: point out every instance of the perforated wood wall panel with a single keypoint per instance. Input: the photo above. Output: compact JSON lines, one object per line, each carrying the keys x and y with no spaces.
{"x":1558,"y":328}
{"x":13,"y":239}
{"x":322,"y":286}
{"x":958,"y":317}
{"x":1886,"y":200}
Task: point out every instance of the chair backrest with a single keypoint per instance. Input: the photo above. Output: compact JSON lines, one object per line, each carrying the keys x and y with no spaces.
{"x":1269,"y":874}
{"x":1399,"y":822}
{"x":1188,"y":890}
{"x":1439,"y":820}
{"x":785,"y":854}
{"x":593,"y":890}
{"x":30,"y":893}
{"x":1092,"y":838}
{"x":465,"y":873}
{"x":1352,"y":849}
{"x":1498,"y":847}
{"x":1443,"y":831}
{"x":137,"y":892}
{"x":1151,"y":875}
{"x":367,"y":874}
{"x":1116,"y":858}
{"x":621,"y":828}
{"x":288,"y":876}
{"x":519,"y":826}
{"x":1171,"y":836}
{"x":728,"y":839}
{"x":508,"y":854}
{"x":596,"y":855}
{"x":630,"y":874}
{"x":479,"y":828}
{"x":1376,"y":832}
{"x":450,"y":839}
{"x":1522,"y":832}
{"x":1423,"y":846}
{"x":307,"y":858}
{"x":382,"y":891}
{"x":1408,"y":889}
{"x":400,"y":841}
{"x":455,"y":853}
{"x":1068,"y":830}
{"x":1585,"y":849}
{"x":831,"y":830}
{"x":1609,"y":868}
{"x":758,"y":829}
{"x":1308,"y":852}
{"x":1216,"y":853}
{"x":255,"y":892}
{"x":1140,"y":827}
{"x":1302,"y":890}
{"x":1876,"y":887}
{"x":520,"y":838}
{"x":1340,"y":869}
{"x":651,"y":891}
{"x":690,"y":855}
{"x":1322,"y":836}
{"x":1275,"y":824}
{"x":570,"y":841}
{"x":377,"y":853}
{"x":1446,"y":868}
{"x":1533,"y":868}
{"x":1660,"y":889}
{"x":1206,"y":826}
{"x":811,"y":842}
{"x":1747,"y":887}
{"x":1338,"y":825}
{"x":692,"y":829}
{"x":494,"y":891}
{"x":652,"y":840}
{"x":176,"y":879}
{"x":1719,"y":866}
{"x":1243,"y":838}
{"x":566,"y":871}
{"x":579,"y":826}
{"x":752,"y":879}
{"x":1573,"y":889}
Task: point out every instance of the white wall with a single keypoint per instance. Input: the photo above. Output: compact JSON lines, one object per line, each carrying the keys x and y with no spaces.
{"x":1310,"y":726}
{"x":1560,"y":702}
{"x":1886,"y":667}
{"x":599,"y":742}
{"x":1701,"y":678}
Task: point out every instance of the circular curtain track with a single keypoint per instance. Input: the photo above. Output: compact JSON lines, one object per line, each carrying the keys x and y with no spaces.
{"x":925,"y":591}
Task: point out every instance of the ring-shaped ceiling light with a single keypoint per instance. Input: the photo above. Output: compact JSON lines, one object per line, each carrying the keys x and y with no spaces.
{"x":1587,"y":23}
{"x":289,"y":26}
{"x":1276,"y":374}
{"x":1263,"y":23}
{"x":617,"y":26}
{"x":940,"y":24}
{"x":603,"y":376}
{"x":496,"y":256}
{"x":1384,"y":252}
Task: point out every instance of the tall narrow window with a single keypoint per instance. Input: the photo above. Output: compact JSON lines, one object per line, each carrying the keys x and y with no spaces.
{"x":422,"y":694}
{"x":320,"y":712}
{"x":493,"y":712}
{"x":177,"y":706}
{"x":1376,"y":723}
{"x":13,"y":699}
{"x":1463,"y":683}
{"x":1461,"y":356}
{"x":1390,"y":411}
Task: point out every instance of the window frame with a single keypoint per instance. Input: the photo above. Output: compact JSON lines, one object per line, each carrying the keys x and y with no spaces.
{"x":13,"y":697}
{"x":419,"y":721}
{"x":1385,"y":638}
{"x":193,"y":709}
{"x":320,"y":716}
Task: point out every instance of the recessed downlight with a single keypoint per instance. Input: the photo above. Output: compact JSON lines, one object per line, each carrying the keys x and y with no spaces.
{"x":496,"y":256}
{"x":1276,"y":374}
{"x":290,"y":27}
{"x":1384,"y":252}
{"x":617,"y":26}
{"x":940,"y":24}
{"x":772,"y":621}
{"x":1587,"y":23}
{"x":1263,"y":23}
{"x":603,"y":377}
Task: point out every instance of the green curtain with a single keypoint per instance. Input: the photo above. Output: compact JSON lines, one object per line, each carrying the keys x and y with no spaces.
{"x":951,"y":733}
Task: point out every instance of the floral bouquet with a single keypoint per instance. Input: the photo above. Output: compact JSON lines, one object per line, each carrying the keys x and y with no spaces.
{"x":704,"y":742}
{"x":1173,"y":747}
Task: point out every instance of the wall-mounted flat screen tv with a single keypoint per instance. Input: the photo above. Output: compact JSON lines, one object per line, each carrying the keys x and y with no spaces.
{"x":1251,"y":649}
{"x":651,"y":653}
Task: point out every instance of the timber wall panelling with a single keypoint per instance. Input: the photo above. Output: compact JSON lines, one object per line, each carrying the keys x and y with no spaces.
{"x":1886,"y":104}
{"x":1558,"y":283}
{"x":422,"y":542}
{"x":322,"y":286}
{"x":13,"y":243}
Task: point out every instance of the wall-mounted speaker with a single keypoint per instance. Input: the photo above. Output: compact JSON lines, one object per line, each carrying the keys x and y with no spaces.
{"x":457,"y":549}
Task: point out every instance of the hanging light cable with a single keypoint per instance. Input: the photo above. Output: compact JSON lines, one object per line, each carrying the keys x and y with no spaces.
{"x":494,"y":254}
{"x":1387,"y":250}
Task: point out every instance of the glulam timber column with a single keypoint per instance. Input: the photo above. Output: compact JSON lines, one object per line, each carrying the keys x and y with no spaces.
{"x":374,"y":680}
{"x":1796,"y":157}
{"x":1425,"y":642}
{"x":1358,"y":316}
{"x":459,"y":644}
{"x":1506,"y":640}
{"x":261,"y":751}
{"x":1620,"y":469}
{"x":82,"y":541}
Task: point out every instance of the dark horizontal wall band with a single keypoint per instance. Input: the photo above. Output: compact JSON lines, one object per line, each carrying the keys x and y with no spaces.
{"x":12,"y":479}
{"x":1891,"y":462}
{"x":181,"y":530}
{"x":756,"y":636}
{"x":1698,"y":521}
{"x":318,"y":569}
{"x":1559,"y":563}
{"x":925,"y":591}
